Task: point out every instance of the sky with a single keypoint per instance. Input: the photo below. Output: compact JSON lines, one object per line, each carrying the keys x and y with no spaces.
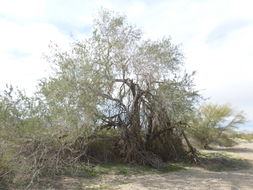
{"x":215,"y":36}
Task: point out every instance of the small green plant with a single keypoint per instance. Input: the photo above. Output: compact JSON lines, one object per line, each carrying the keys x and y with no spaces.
{"x":81,"y":171}
{"x":129,"y":169}
{"x":123,"y":171}
{"x":171,"y":168}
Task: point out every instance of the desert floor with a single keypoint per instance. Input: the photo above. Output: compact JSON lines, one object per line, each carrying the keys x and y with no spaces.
{"x":200,"y":179}
{"x":191,"y":178}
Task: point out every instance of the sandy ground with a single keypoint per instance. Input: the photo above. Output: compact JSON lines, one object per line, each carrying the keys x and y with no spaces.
{"x":197,"y":178}
{"x":193,"y":178}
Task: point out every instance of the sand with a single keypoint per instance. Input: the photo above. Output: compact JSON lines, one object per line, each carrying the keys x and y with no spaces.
{"x":192,"y":178}
{"x":197,"y":178}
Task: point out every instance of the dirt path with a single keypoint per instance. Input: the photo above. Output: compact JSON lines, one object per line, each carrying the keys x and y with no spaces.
{"x":197,"y":178}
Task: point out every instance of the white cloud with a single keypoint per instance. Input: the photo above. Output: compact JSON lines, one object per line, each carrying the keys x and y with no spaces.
{"x":223,"y":64}
{"x":25,"y":9}
{"x":32,"y":38}
{"x":32,"y":41}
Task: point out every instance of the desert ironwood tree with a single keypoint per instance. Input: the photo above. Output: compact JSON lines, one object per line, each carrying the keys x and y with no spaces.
{"x":116,"y":81}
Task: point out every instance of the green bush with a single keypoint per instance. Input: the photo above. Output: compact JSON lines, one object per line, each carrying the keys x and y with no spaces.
{"x":214,"y":125}
{"x":114,"y":96}
{"x":244,"y":136}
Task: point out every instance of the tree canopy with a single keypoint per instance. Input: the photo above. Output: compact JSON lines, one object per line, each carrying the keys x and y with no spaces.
{"x":117,"y":80}
{"x":114,"y":96}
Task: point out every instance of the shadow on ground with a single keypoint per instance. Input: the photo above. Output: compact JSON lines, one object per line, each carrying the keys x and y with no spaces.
{"x":198,"y":179}
{"x":234,"y":150}
{"x":219,"y":161}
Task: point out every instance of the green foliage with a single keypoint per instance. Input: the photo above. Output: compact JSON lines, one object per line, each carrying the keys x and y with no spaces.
{"x":124,"y":169}
{"x":118,"y":81}
{"x":215,"y":124}
{"x":79,"y":170}
{"x":89,"y":80}
{"x":171,"y":168}
{"x":133,"y":169}
{"x":112,"y":96}
{"x":244,"y":136}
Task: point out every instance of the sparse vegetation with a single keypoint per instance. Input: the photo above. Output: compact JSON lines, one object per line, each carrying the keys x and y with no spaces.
{"x":114,"y":97}
{"x":214,"y":125}
{"x":244,"y":136}
{"x":221,"y":161}
{"x":115,"y":104}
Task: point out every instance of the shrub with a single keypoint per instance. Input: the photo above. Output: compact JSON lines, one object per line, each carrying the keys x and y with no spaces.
{"x":215,"y":124}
